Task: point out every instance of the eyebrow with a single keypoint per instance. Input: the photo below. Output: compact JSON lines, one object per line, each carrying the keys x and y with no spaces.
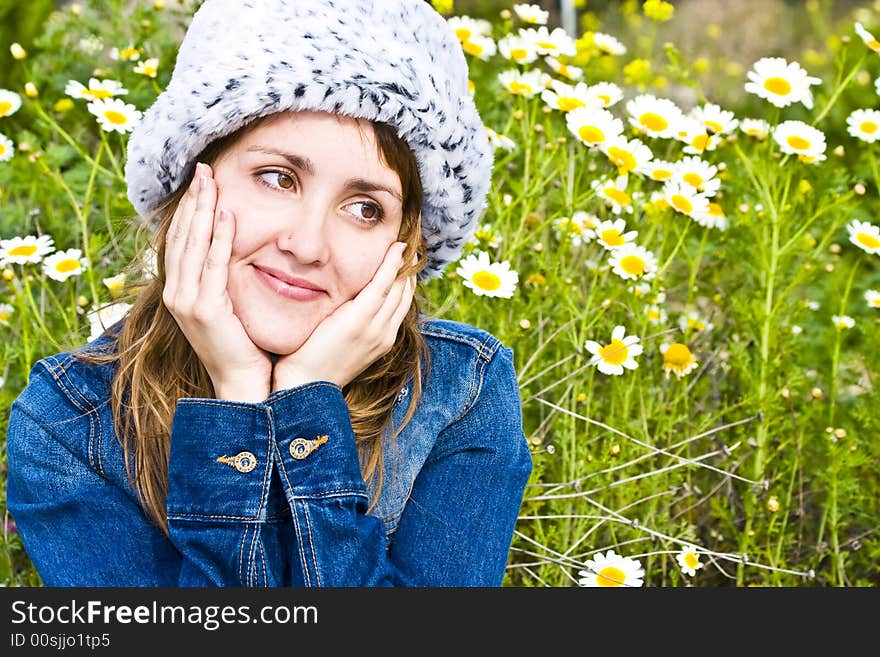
{"x":305,"y":164}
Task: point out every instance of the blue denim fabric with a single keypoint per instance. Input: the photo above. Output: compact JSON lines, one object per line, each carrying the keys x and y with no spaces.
{"x":452,"y":488}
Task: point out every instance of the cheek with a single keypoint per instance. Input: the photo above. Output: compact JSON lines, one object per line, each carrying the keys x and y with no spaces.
{"x":358,"y":266}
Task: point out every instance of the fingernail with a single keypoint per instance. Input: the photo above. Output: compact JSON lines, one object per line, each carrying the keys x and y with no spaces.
{"x":203,"y":182}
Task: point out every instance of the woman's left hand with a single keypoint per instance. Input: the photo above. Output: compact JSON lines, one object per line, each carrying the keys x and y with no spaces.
{"x":354,"y":335}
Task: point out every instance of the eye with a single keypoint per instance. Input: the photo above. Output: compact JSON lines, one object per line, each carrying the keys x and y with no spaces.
{"x":367,"y":213}
{"x":277,"y":180}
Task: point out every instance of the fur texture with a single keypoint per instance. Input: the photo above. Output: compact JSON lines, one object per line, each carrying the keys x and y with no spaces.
{"x":394,"y":61}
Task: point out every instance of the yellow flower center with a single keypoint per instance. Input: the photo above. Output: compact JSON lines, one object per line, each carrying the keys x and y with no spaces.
{"x":633,"y":264}
{"x":5,"y":107}
{"x":520,"y":88}
{"x":591,"y":134}
{"x":713,"y":126}
{"x":682,"y":204}
{"x":2,"y":149}
{"x":798,"y":143}
{"x":574,"y":228}
{"x":691,"y":560}
{"x":5,"y":315}
{"x":606,"y":100}
{"x":612,"y":237}
{"x":25,"y":250}
{"x":661,"y":174}
{"x":694,"y":180}
{"x":653,"y":314}
{"x":472,"y":48}
{"x":129,"y":53}
{"x":65,"y":266}
{"x":610,"y":576}
{"x":463,"y":33}
{"x":486,"y":280}
{"x":700,"y":142}
{"x":546,"y":45}
{"x":715,"y":210}
{"x":519,"y":53}
{"x":568,"y":104}
{"x":614,"y":354}
{"x":618,"y":196}
{"x":868,"y":240}
{"x":624,"y":160}
{"x":778,"y":86}
{"x":875,"y":302}
{"x":116,"y":118}
{"x":653,"y":122}
{"x":873,"y":44}
{"x":97,"y":93}
{"x":867,"y":126}
{"x":677,"y":356}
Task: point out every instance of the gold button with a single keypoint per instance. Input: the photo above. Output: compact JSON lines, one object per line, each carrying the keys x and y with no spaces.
{"x":243,"y":461}
{"x":301,"y":448}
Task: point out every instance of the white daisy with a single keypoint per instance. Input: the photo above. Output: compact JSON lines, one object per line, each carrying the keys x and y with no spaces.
{"x":633,"y":262}
{"x":656,"y":314}
{"x":604,"y":94}
{"x":105,"y":317}
{"x":554,"y":43}
{"x":566,"y":70}
{"x":148,"y":67}
{"x":716,"y":120}
{"x":97,"y":89}
{"x":486,"y":278}
{"x":482,"y":47}
{"x":127,"y":54}
{"x":757,"y":128}
{"x":617,"y":355}
{"x":780,"y":82}
{"x":531,"y":14}
{"x":500,"y":141}
{"x":713,"y":217}
{"x":23,"y":250}
{"x":566,"y":97}
{"x":801,"y":139}
{"x":593,"y":126}
{"x":683,"y":198}
{"x":6,"y":311}
{"x":485,"y":235}
{"x":10,"y":102}
{"x":608,"y":44}
{"x":654,"y":117}
{"x":611,"y":569}
{"x":692,"y":321}
{"x":864,"y":235}
{"x":689,"y":560}
{"x":115,"y":115}
{"x":578,"y":229}
{"x":843,"y":321}
{"x":115,"y":284}
{"x":659,"y":170}
{"x":873,"y":298}
{"x":466,"y":27}
{"x":864,"y":124}
{"x":697,"y":173}
{"x":677,"y":359}
{"x":614,"y":193}
{"x":695,"y":136}
{"x":867,"y":38}
{"x":7,"y":148}
{"x":526,"y":83}
{"x":518,"y":49}
{"x":61,"y":265}
{"x":627,"y":156}
{"x":612,"y":234}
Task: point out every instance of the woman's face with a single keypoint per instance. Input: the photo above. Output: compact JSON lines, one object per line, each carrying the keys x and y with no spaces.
{"x":314,"y":207}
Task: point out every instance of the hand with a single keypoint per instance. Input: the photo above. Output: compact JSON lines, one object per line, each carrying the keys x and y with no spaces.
{"x":197,"y":250}
{"x":354,"y":335}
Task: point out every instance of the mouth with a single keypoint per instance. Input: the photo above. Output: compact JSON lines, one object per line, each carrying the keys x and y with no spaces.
{"x":296,"y":289}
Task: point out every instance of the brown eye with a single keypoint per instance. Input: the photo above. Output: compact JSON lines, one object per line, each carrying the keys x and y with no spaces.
{"x":369,"y":211}
{"x":284,"y":181}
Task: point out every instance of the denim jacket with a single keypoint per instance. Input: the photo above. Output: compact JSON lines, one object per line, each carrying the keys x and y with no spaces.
{"x":271,"y":493}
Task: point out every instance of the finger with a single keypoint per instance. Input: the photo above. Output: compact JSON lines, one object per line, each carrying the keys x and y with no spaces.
{"x":215,"y":272}
{"x":400,"y":290}
{"x":176,"y":234}
{"x":198,"y":239}
{"x":371,"y":298}
{"x":400,"y":311}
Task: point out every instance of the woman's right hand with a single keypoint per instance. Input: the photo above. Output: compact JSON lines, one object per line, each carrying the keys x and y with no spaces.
{"x":197,"y":250}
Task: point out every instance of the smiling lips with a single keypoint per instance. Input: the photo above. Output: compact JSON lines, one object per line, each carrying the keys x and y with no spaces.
{"x":290,"y":287}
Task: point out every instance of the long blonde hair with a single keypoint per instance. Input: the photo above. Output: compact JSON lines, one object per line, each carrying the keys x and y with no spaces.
{"x":155,"y":365}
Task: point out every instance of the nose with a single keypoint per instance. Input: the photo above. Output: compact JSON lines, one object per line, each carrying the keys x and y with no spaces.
{"x":305,"y":235}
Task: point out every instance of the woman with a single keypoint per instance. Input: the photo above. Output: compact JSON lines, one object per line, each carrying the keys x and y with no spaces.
{"x":275,"y":410}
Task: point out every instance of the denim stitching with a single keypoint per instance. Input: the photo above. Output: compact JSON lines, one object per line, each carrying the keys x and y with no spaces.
{"x":252,"y":566}
{"x":241,"y":578}
{"x":283,"y":471}
{"x":311,"y":542}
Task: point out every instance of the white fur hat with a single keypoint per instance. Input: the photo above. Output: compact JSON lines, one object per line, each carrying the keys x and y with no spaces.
{"x":392,"y":61}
